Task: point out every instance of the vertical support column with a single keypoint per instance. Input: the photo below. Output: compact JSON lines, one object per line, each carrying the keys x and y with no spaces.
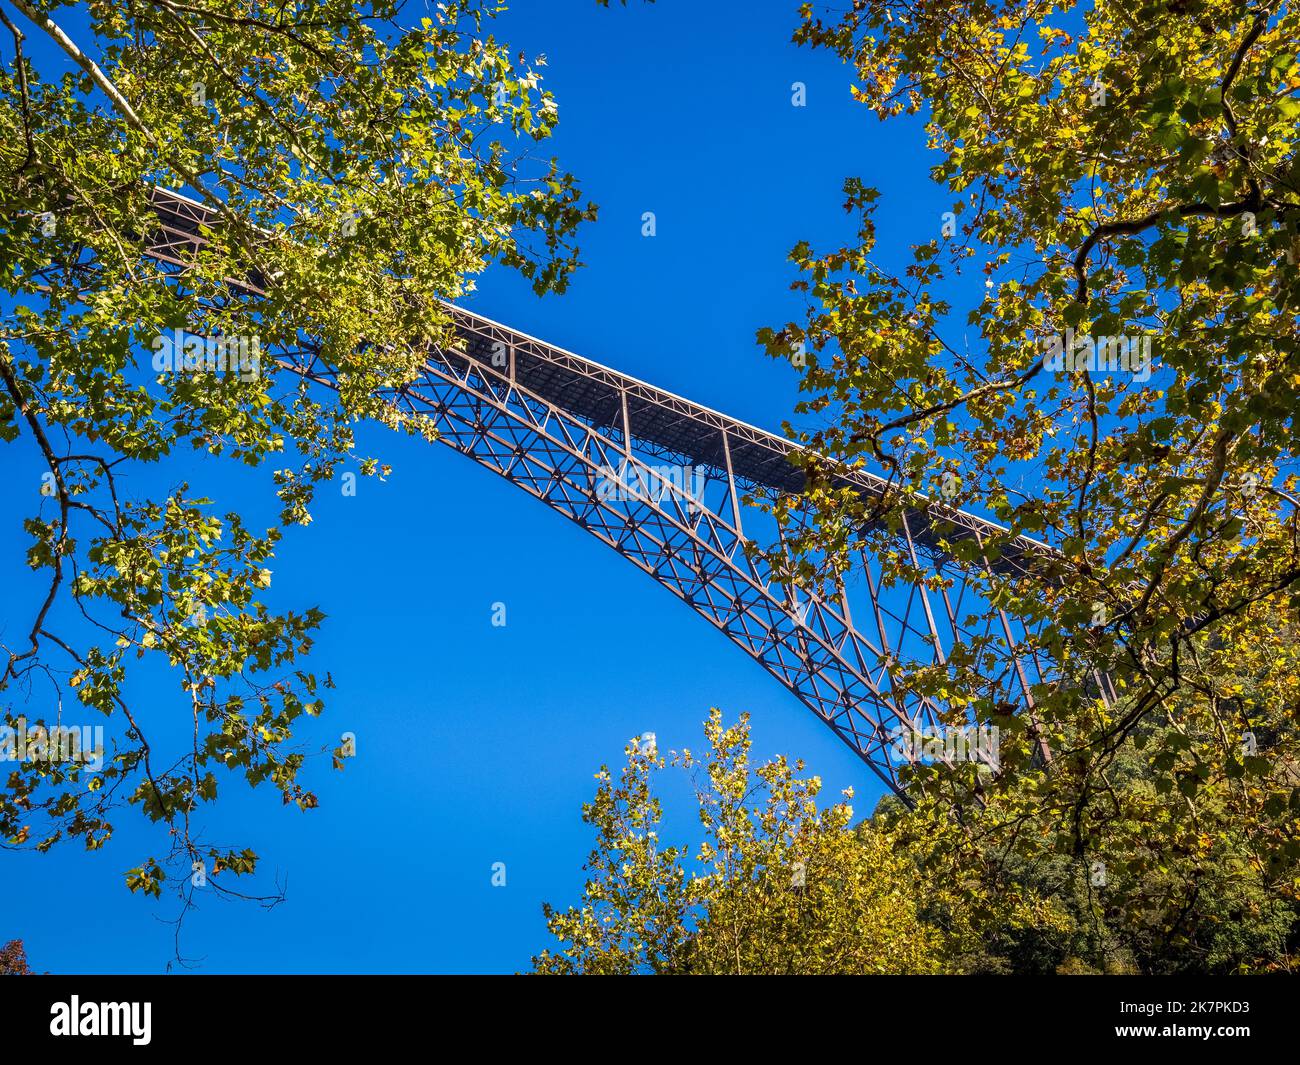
{"x":787,"y":588}
{"x":1043,"y":749}
{"x":731,"y":486}
{"x":627,"y":424}
{"x":900,"y":706}
{"x":850,"y":633}
{"x":925,"y":598}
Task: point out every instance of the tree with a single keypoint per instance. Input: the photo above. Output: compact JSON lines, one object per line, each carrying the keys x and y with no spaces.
{"x":1152,"y":893}
{"x":359,"y":173}
{"x":1122,"y":386}
{"x":13,"y":959}
{"x":775,"y":886}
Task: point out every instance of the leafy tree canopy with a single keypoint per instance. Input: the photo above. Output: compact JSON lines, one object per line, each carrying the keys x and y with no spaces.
{"x":775,"y":885}
{"x":13,"y":959}
{"x":360,"y":171}
{"x":1117,"y":170}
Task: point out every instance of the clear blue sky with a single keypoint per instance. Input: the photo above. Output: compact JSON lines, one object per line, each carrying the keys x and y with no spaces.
{"x":478,"y":744}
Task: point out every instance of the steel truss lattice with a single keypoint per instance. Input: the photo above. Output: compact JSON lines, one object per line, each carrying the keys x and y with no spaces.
{"x":598,"y":446}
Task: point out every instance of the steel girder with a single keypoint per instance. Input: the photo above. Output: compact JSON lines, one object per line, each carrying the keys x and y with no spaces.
{"x":695,"y":547}
{"x":558,"y":425}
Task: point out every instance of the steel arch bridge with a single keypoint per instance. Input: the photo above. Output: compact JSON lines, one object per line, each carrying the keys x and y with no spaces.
{"x":669,"y":485}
